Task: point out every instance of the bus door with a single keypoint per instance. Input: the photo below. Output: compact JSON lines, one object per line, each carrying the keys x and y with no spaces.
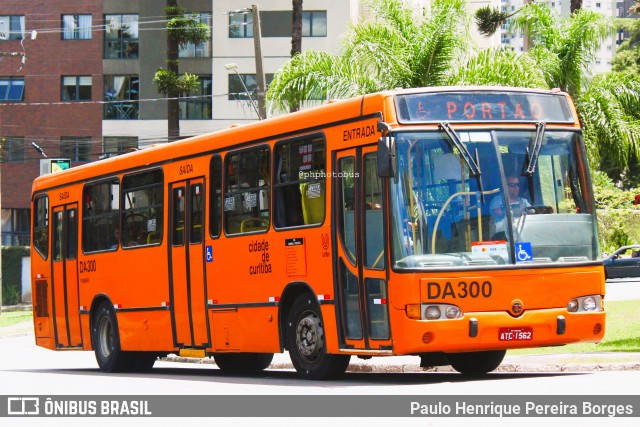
{"x":64,"y":272}
{"x":186,"y":264}
{"x":361,"y":279}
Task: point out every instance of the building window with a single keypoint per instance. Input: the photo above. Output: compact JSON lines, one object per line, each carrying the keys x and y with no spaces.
{"x":11,"y":89}
{"x":121,"y":96}
{"x":121,"y":36}
{"x":76,"y":88}
{"x":237,"y":91}
{"x":115,"y":145}
{"x":76,"y":27}
{"x":314,"y":24}
{"x":75,"y":148}
{"x":15,"y":227}
{"x":199,"y":105}
{"x":277,"y":23}
{"x":200,"y":50}
{"x":11,"y":149}
{"x":11,"y":27}
{"x":240,"y":25}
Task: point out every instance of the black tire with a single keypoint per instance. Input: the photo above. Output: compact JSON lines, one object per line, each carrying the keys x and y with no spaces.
{"x":143,"y":361}
{"x":476,"y":363}
{"x":305,"y":341}
{"x":106,"y":341}
{"x":243,"y":362}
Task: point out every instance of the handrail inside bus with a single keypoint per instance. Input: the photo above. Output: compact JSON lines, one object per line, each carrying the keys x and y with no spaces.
{"x":477,"y":194}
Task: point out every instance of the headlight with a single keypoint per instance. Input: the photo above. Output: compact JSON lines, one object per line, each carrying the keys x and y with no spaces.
{"x":587,"y":303}
{"x":432,"y":312}
{"x":440,"y":311}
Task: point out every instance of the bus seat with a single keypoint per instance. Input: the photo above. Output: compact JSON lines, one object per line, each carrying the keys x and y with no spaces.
{"x":254,"y":224}
{"x":312,"y":207}
{"x":154,"y":237}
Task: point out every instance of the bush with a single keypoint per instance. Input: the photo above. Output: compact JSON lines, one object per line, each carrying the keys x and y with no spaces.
{"x":618,"y":227}
{"x":12,"y":273}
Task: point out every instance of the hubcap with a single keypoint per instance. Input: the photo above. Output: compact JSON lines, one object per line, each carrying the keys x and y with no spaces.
{"x":309,"y":337}
{"x":105,"y":332}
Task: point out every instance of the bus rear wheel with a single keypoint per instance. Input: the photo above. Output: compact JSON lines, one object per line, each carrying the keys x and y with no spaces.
{"x":106,"y":341}
{"x":476,"y":363}
{"x":305,"y":339}
{"x":243,"y":362}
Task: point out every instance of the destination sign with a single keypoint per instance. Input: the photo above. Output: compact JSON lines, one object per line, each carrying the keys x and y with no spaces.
{"x":483,"y":107}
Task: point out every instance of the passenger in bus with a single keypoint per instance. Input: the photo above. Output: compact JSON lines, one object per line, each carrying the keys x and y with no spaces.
{"x":116,"y":239}
{"x":517,"y":205}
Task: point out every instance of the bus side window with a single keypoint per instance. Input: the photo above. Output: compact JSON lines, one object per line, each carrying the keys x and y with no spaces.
{"x":143,"y":205}
{"x":247,"y":193}
{"x":299,"y":183}
{"x":215,"y":196}
{"x":41,"y":226}
{"x":100,"y":210}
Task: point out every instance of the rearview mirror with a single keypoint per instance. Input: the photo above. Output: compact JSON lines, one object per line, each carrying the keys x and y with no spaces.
{"x":386,"y":157}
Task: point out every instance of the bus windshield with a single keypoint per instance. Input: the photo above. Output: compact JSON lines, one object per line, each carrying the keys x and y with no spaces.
{"x":446,"y":215}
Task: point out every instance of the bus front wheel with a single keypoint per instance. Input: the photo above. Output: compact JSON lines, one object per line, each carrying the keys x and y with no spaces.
{"x":305,"y":338}
{"x":476,"y":363}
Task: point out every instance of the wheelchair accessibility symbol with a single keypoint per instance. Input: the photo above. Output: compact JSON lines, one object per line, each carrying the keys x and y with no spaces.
{"x":209,"y":253}
{"x":524,"y":253}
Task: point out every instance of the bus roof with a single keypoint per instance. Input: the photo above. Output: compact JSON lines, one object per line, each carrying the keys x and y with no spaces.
{"x":304,"y":121}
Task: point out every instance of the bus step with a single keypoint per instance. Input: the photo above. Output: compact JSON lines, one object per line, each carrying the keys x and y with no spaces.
{"x":193,"y":352}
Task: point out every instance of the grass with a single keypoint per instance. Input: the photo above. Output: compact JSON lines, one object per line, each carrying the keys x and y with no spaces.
{"x":8,"y":318}
{"x":622,"y":333}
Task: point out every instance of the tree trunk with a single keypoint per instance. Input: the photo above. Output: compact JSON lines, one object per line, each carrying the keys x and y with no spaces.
{"x":173,"y":106}
{"x":296,"y":37}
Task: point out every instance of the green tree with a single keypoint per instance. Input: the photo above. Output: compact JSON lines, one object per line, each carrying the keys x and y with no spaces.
{"x":400,"y":48}
{"x":608,"y":105}
{"x":563,"y":49}
{"x":181,"y":30}
{"x":627,"y":56}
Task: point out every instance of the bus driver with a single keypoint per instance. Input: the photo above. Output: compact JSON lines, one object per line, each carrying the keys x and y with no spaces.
{"x":517,"y":205}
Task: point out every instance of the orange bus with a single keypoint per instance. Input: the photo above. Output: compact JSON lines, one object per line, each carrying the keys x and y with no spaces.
{"x":373,"y":226}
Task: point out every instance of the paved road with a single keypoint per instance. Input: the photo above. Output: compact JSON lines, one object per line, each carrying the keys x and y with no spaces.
{"x":622,"y":289}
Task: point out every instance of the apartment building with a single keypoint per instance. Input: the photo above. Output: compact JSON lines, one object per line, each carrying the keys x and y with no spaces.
{"x":86,"y":88}
{"x":49,"y":100}
{"x":602,"y":59}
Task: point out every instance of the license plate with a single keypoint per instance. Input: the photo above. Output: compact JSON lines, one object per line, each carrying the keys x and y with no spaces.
{"x":515,"y":334}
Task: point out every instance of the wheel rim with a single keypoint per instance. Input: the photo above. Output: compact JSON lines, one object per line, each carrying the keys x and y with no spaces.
{"x":105,"y":337}
{"x":309,"y":337}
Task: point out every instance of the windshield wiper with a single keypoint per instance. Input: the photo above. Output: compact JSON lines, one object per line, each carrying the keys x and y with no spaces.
{"x":534,"y":152}
{"x":469,"y":160}
{"x":472,"y":164}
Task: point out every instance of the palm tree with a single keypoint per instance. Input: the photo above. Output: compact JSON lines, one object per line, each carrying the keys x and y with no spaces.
{"x":608,"y":105}
{"x":296,"y":35}
{"x":564,"y":48}
{"x":398,"y":49}
{"x":610,"y":113}
{"x":181,"y":30}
